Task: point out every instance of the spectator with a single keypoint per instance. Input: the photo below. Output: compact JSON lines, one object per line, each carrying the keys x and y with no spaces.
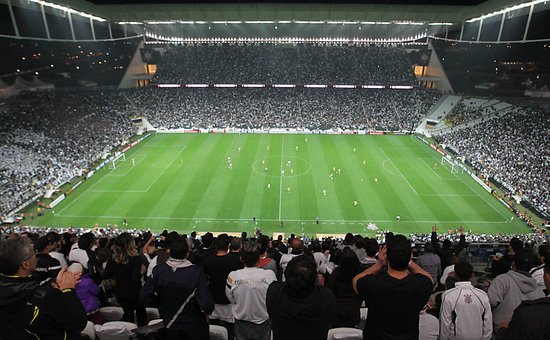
{"x":125,"y":268}
{"x":88,"y":293}
{"x":399,"y":294}
{"x":537,"y":273}
{"x":530,"y":319}
{"x":348,"y":304}
{"x":300,"y":308}
{"x":371,"y":249}
{"x":185,"y":301}
{"x":465,"y":310}
{"x":29,"y":310}
{"x":246,"y":289}
{"x":216,"y":267}
{"x":508,"y":290}
{"x":297,"y":249}
{"x":430,"y":262}
{"x":46,"y":266}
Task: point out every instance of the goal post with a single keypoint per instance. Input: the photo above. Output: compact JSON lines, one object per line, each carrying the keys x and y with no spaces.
{"x":448,"y":162}
{"x":118,"y":159}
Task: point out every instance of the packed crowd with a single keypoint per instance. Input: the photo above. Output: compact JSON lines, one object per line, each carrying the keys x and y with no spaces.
{"x":330,"y":63}
{"x":462,"y":114}
{"x":314,"y":109}
{"x":48,"y":138}
{"x":512,"y":149}
{"x":258,"y":286}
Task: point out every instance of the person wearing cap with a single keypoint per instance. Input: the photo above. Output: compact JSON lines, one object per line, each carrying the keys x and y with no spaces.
{"x":31,"y":310}
{"x":508,"y":290}
{"x":46,"y":266}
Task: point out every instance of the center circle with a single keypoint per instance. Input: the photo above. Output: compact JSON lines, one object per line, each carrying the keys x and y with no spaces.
{"x":288,"y":166}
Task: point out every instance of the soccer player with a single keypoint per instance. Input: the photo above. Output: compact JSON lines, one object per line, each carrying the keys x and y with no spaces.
{"x":265,"y":169}
{"x":296,"y":148}
{"x":282,"y":172}
{"x":239,"y":149}
{"x":376,"y":180}
{"x":268,"y":148}
{"x":355,"y":203}
{"x":263,"y":161}
{"x":330,"y":176}
{"x":364,"y":162}
{"x":324,"y":192}
{"x":354,"y":149}
{"x":334,"y":168}
{"x":435,"y":165}
{"x":305,"y":139}
{"x":291,"y":171}
{"x":398,"y":218}
{"x":269,"y":185}
{"x":133,"y":162}
{"x":230,"y":165}
{"x":288,"y":163}
{"x":289,"y":190}
{"x":125,"y":222}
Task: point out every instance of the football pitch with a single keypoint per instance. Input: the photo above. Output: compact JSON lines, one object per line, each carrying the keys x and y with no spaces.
{"x":302,"y":184}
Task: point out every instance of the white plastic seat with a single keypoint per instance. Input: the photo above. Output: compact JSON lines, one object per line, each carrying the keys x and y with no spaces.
{"x":344,"y":333}
{"x":115,"y":330}
{"x":218,"y":333}
{"x":111,"y":313}
{"x":152,"y":313}
{"x":89,"y":331}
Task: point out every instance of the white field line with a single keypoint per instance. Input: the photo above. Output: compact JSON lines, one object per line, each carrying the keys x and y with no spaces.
{"x":281,"y":178}
{"x":247,"y":220}
{"x":435,"y":172}
{"x":167,"y":167}
{"x":467,"y":185}
{"x":400,"y":174}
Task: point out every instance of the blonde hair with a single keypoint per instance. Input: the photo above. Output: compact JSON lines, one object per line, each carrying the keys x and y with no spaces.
{"x":125,"y":247}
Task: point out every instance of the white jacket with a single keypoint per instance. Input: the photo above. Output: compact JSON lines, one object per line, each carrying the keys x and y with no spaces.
{"x":247,"y":290}
{"x":465,"y":314}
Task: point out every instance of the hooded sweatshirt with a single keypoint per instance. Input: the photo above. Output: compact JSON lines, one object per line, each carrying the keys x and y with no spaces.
{"x":508,"y":290}
{"x":305,"y":317}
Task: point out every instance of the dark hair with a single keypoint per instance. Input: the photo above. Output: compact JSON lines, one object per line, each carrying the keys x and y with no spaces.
{"x":349,"y":266}
{"x":207,"y":240}
{"x":53,"y":237}
{"x":300,"y":275}
{"x":85,"y":241}
{"x":547,"y":265}
{"x":263,"y":242}
{"x":359,"y":241}
{"x":516,"y":244}
{"x":236,"y":243}
{"x":250,"y":253}
{"x":399,"y":252}
{"x":335,"y":255}
{"x":170,"y":238}
{"x":447,"y":243}
{"x":222,"y":242}
{"x":428,"y":248}
{"x":371,"y":247}
{"x":326,"y":245}
{"x":464,"y":271}
{"x":179,"y":249}
{"x":544,"y":250}
{"x":316,"y":246}
{"x":348,"y":239}
{"x":524,"y":260}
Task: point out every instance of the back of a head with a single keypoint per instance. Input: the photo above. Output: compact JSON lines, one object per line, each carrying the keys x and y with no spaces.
{"x":13,"y":252}
{"x":301,"y":275}
{"x":349,"y":265}
{"x":124,"y":248}
{"x":348,"y":239}
{"x":236,"y":244}
{"x":544,"y":251}
{"x":207,"y":240}
{"x":464,"y":271}
{"x":297,"y":246}
{"x":523,"y":260}
{"x":85,"y":241}
{"x":516,"y":244}
{"x":263,"y":241}
{"x":447,"y":243}
{"x":179,"y":249}
{"x":371,"y":247}
{"x":171,"y":237}
{"x":428,"y":248}
{"x":399,"y":252}
{"x":222,"y":242}
{"x":250,"y":253}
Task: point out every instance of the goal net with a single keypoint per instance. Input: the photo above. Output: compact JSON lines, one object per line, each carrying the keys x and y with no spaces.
{"x":117,"y":160}
{"x":448,"y":162}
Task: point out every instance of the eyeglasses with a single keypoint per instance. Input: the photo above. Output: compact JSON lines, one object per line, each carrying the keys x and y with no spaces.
{"x":28,"y":258}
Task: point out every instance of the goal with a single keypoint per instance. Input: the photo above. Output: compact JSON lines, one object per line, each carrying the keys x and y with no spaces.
{"x":118,"y":159}
{"x":447,"y":161}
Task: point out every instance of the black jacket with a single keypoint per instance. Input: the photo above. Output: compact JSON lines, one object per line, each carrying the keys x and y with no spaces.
{"x":173,"y":286}
{"x":531,"y":321}
{"x":29,"y":310}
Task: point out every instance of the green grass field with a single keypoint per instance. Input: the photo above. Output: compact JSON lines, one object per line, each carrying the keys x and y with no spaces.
{"x":183,"y":182}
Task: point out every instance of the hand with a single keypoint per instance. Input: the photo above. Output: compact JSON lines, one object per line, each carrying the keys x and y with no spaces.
{"x":434,"y":228}
{"x":67,"y":280}
{"x":382,"y":256}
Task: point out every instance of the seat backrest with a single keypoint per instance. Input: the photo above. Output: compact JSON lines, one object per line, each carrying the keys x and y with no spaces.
{"x":89,"y":331}
{"x":115,"y":330}
{"x":344,"y":333}
{"x":218,"y":333}
{"x":111,"y":313}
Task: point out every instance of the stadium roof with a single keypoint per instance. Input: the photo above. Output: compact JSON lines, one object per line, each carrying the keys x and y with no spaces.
{"x":373,"y":10}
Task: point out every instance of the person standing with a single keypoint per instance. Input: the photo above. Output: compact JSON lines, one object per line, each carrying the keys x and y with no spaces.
{"x":185,"y":301}
{"x":300,"y":308}
{"x":246,"y":289}
{"x":394,"y":298}
{"x":125,"y":267}
{"x":465,"y":310}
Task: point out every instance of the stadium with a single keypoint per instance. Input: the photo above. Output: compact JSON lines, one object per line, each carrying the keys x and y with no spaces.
{"x":307,"y":121}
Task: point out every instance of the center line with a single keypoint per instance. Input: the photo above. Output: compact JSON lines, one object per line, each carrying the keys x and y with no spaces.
{"x":281,"y":177}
